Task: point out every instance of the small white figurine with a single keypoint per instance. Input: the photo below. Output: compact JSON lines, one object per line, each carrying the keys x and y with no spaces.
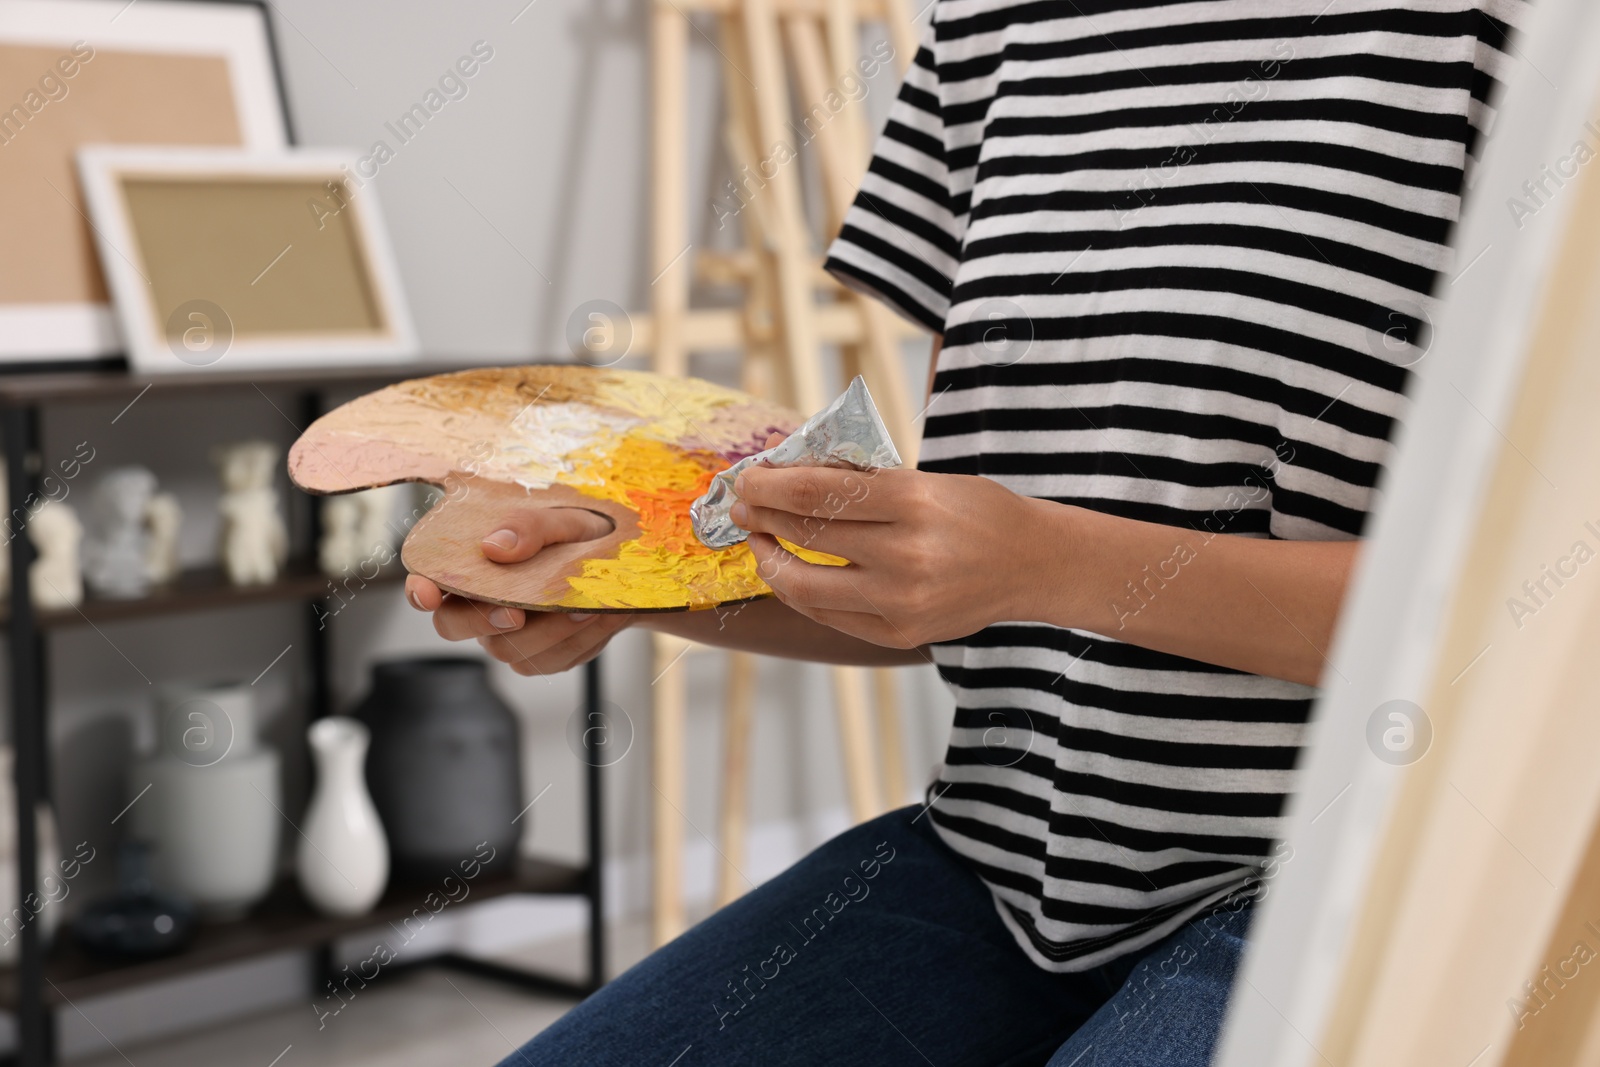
{"x":53,"y":579}
{"x":377,"y":511}
{"x":356,"y":531}
{"x":341,"y":538}
{"x":162,"y":518}
{"x":116,"y":545}
{"x":255,"y":541}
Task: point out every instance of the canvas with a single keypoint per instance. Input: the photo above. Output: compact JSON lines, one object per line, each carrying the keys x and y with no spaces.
{"x":1437,"y":906}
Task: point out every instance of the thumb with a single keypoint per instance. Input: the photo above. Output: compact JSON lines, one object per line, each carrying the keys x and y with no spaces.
{"x":526,"y":532}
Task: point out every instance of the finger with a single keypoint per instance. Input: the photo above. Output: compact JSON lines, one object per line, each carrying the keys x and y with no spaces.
{"x":774,"y":439}
{"x":868,"y":627}
{"x":824,"y":492}
{"x":869,"y":624}
{"x":802,"y":584}
{"x":526,"y":531}
{"x":460,"y":618}
{"x":538,"y":629}
{"x":423,"y":594}
{"x":530,"y":655}
{"x":580,"y":648}
{"x":847,"y":539}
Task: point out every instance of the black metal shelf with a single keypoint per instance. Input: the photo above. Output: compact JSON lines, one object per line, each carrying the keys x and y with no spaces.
{"x":42,"y":981}
{"x":202,"y":589}
{"x":280,"y":923}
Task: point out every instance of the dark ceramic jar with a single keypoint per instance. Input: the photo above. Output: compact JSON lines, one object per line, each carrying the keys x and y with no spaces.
{"x":444,"y":769}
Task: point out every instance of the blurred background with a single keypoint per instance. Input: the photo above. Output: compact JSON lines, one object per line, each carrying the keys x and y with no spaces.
{"x":525,"y":197}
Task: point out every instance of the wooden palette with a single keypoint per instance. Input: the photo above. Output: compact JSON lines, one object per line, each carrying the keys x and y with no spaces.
{"x":637,"y":448}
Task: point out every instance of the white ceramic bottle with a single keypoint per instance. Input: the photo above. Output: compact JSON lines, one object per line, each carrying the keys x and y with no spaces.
{"x":207,"y":800}
{"x":343,"y":857}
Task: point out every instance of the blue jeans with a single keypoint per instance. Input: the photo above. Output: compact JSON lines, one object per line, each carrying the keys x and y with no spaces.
{"x":883,"y":948}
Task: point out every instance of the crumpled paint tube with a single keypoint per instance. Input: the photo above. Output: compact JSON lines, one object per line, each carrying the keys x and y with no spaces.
{"x":848,"y":433}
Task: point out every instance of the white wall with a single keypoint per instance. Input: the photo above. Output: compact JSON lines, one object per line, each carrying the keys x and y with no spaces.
{"x":516,"y":202}
{"x":513,"y":205}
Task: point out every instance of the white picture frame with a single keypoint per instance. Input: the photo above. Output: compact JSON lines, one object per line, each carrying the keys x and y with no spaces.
{"x":1400,"y":639}
{"x":72,"y":328}
{"x":153,"y":346}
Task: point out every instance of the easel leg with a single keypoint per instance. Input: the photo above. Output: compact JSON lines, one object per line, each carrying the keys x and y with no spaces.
{"x":669,"y":53}
{"x":855,"y":736}
{"x":902,"y":33}
{"x":667,"y":771}
{"x":669,"y":185}
{"x":842,"y":158}
{"x":731,"y":881}
{"x":796,"y":294}
{"x":891,"y":751}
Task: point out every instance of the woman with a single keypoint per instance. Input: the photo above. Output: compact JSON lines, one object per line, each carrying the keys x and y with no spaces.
{"x":1179,"y":257}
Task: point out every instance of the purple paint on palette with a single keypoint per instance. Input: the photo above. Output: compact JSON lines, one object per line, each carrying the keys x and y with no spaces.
{"x":757,"y":443}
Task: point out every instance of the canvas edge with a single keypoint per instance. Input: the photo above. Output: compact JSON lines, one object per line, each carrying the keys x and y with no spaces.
{"x":1418,"y":539}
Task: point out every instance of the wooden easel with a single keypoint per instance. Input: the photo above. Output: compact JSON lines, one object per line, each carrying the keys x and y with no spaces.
{"x":780,"y":330}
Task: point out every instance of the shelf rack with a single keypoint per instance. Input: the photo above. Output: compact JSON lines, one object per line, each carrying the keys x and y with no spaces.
{"x":43,"y":981}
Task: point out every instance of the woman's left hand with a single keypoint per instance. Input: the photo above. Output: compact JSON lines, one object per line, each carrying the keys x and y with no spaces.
{"x":932,"y":556}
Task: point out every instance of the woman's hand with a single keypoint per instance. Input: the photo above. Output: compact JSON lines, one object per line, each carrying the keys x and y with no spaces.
{"x":933,"y":556}
{"x":531,"y":642}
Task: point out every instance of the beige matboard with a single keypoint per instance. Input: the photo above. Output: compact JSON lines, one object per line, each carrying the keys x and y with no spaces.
{"x":116,"y":98}
{"x":251,"y":246}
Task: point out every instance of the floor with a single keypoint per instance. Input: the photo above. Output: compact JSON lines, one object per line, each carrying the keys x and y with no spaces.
{"x":430,"y":1017}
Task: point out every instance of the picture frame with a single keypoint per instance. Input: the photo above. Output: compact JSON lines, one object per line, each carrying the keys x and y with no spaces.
{"x":179,"y":72}
{"x":1431,"y":891}
{"x":245,"y":261}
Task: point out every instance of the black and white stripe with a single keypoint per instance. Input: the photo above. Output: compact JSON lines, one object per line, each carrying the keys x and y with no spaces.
{"x":1182,"y":255}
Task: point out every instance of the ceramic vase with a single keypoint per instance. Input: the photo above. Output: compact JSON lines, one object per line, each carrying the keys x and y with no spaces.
{"x":343,"y":858}
{"x":444,"y":770}
{"x":12,"y":914}
{"x":207,"y":802}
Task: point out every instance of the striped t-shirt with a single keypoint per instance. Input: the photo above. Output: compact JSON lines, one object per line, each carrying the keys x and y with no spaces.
{"x":1182,"y":255}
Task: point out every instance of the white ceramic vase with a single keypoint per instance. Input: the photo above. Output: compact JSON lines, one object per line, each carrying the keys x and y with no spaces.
{"x":344,"y":856}
{"x":12,"y":915}
{"x":211,"y":812}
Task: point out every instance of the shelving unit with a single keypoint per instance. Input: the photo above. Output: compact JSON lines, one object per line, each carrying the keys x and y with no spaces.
{"x":43,"y":981}
{"x":197,"y":589}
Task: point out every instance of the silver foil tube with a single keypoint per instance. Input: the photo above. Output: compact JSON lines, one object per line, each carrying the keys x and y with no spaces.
{"x":848,"y":433}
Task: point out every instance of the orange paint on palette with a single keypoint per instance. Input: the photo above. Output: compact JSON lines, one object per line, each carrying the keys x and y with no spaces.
{"x":659,"y":482}
{"x":637,"y":448}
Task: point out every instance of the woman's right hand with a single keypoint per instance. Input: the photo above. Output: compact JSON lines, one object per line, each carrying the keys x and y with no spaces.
{"x":540,"y":642}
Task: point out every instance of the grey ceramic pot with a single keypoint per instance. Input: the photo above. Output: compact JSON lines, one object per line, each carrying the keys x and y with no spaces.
{"x":444,"y":769}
